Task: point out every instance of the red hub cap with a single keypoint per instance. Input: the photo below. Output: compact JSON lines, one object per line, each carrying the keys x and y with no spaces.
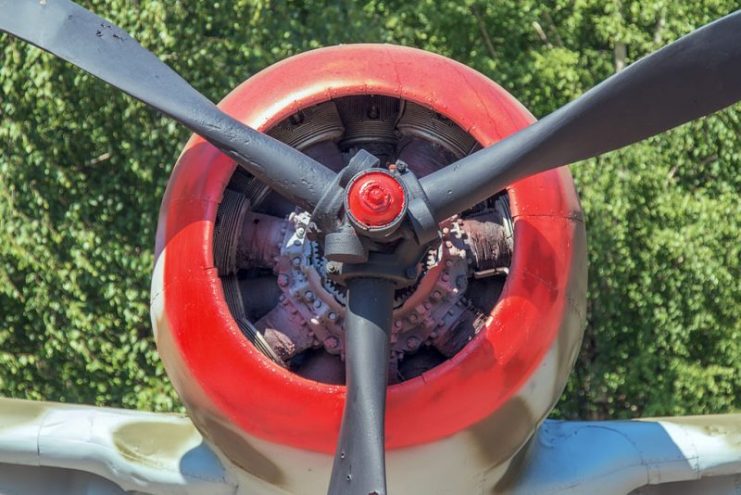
{"x":375,"y":199}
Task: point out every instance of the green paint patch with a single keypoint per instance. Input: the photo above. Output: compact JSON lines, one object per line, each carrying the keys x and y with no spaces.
{"x":15,"y":412}
{"x":155,"y":441}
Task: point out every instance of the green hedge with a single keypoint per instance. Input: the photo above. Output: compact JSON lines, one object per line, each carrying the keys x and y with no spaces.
{"x":83,"y":169}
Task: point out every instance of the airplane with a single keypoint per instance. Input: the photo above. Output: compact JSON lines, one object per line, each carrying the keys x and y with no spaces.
{"x":370,"y":278}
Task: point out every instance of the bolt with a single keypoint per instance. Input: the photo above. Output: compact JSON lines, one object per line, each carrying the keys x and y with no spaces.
{"x":445,"y":277}
{"x":282,"y":279}
{"x":296,"y":261}
{"x":331,"y":343}
{"x":448,"y":263}
{"x":413,"y":343}
{"x":398,"y":324}
{"x":437,"y":294}
{"x":309,"y":295}
{"x":317,"y":304}
{"x":332,"y":316}
{"x":413,"y":318}
{"x":300,"y":232}
{"x":428,"y":304}
{"x":374,"y":196}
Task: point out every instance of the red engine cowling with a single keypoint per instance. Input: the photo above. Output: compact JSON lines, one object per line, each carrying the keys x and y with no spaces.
{"x":464,"y":415}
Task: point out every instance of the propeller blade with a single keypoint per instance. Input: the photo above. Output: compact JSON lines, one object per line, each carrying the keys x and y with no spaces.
{"x":109,"y":53}
{"x":359,"y":464}
{"x":694,"y":76}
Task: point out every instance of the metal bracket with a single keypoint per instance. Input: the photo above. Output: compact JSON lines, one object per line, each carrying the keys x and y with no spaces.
{"x":341,"y":241}
{"x":419,"y":211}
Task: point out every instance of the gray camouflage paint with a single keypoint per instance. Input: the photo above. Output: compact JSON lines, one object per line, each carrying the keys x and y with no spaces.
{"x":58,"y":449}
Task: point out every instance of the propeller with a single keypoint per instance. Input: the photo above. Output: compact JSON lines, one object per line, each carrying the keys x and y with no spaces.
{"x":692,"y":77}
{"x":106,"y":51}
{"x":359,"y":463}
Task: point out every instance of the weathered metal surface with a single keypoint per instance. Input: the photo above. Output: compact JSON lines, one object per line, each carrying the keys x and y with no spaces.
{"x":133,"y":450}
{"x":57,"y":449}
{"x":618,"y":457}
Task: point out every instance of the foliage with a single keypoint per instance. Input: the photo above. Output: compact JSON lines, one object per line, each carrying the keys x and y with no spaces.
{"x":83,"y":168}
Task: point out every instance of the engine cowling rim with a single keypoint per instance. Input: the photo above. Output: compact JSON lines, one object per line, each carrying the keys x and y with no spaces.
{"x":545,"y":202}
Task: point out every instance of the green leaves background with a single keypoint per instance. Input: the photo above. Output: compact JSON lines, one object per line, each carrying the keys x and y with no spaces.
{"x":83,"y":169}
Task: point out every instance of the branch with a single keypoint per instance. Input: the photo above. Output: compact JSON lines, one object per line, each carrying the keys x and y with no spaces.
{"x":484,"y":33}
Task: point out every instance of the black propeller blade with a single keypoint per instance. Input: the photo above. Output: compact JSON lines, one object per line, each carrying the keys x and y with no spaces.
{"x":107,"y":52}
{"x":359,"y":464}
{"x":694,"y":76}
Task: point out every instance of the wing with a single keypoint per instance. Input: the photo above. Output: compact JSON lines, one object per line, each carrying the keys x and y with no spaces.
{"x":680,"y":455}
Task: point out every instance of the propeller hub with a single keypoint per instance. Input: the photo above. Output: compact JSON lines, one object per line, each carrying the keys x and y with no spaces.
{"x":375,"y":200}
